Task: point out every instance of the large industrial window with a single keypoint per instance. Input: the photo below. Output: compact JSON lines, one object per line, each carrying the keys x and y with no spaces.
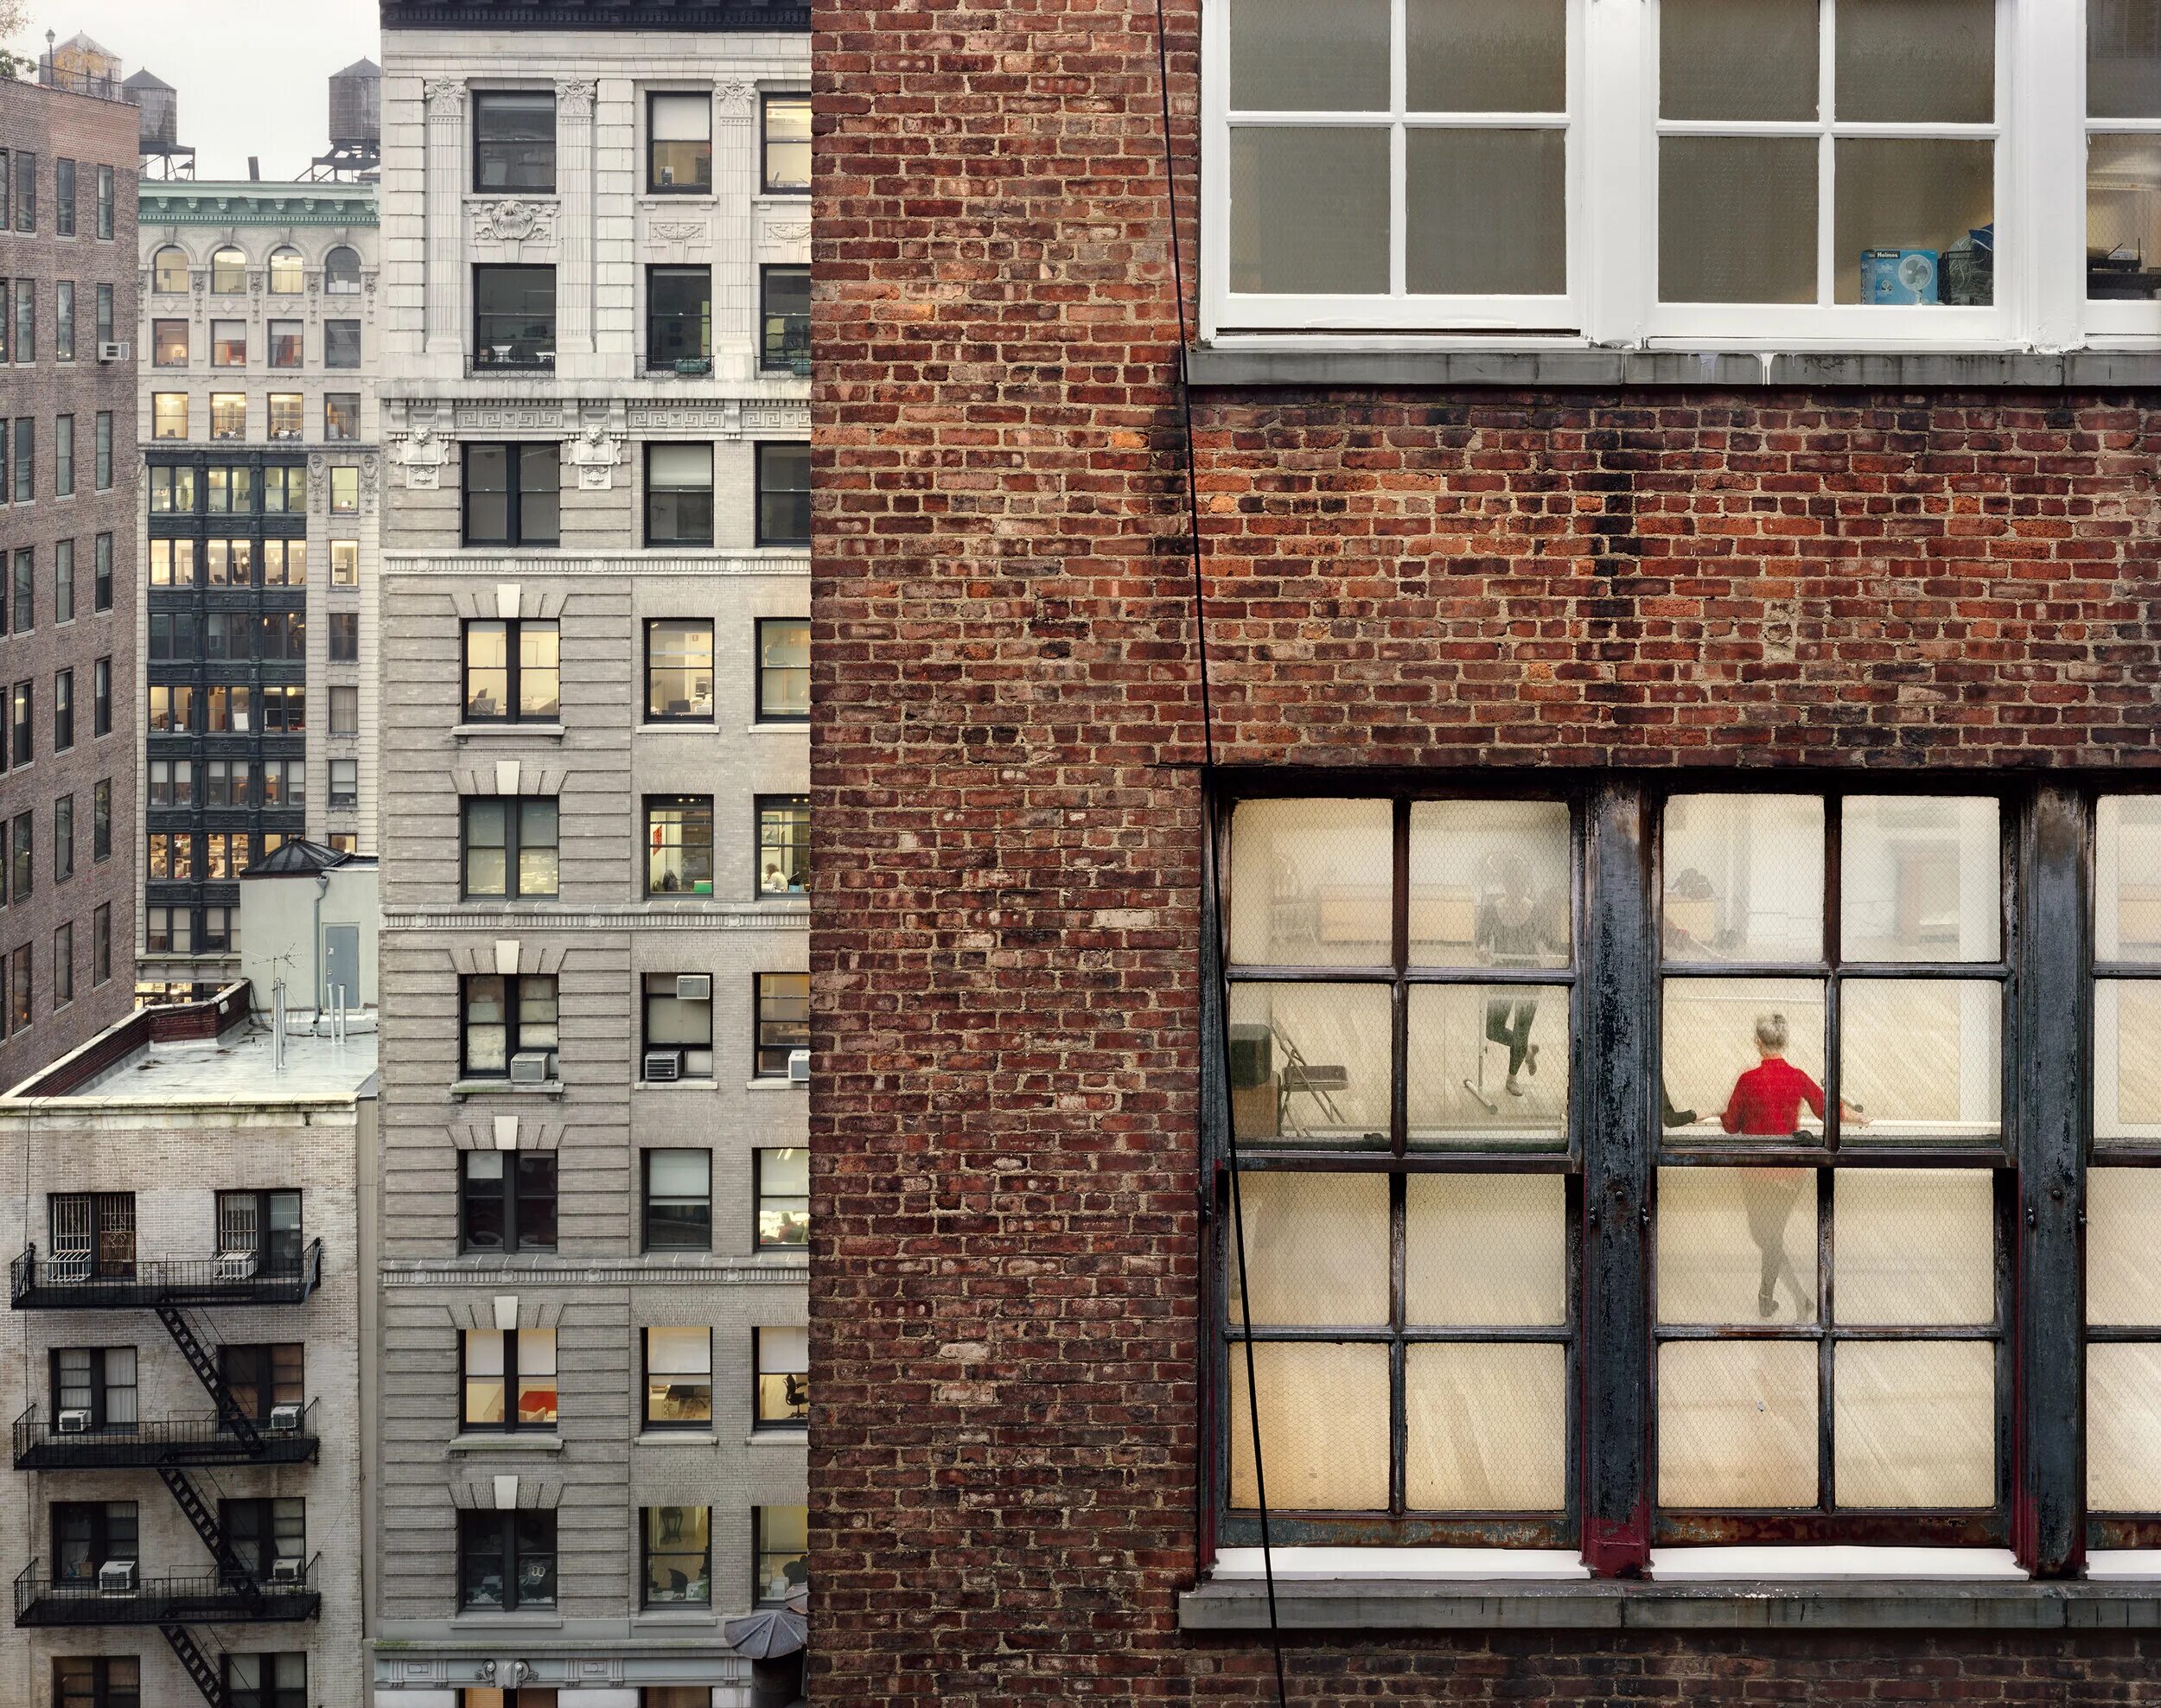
{"x":1761,"y":1047}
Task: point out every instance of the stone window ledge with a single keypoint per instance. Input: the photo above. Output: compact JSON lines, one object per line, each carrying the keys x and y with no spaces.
{"x":510,"y":1441}
{"x":1233,"y":364}
{"x":504,"y":1088}
{"x":506,"y":731}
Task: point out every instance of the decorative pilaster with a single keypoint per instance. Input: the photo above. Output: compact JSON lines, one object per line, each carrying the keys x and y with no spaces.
{"x":445,"y":227}
{"x":735,"y":163}
{"x":574,"y":184}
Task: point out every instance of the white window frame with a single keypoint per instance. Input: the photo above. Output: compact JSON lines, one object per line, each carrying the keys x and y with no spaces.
{"x":2041,"y":130}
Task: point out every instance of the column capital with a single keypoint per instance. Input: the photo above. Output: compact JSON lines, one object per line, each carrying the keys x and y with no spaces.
{"x":575,"y":99}
{"x":445,"y":96}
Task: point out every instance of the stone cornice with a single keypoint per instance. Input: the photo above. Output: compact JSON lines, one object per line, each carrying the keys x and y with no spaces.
{"x":617,"y":14}
{"x":272,"y":205}
{"x":593,"y":1273}
{"x":498,"y":921}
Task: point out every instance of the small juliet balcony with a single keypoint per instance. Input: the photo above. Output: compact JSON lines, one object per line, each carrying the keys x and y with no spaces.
{"x":70,"y":1443}
{"x":119,"y":1595}
{"x":95,"y":1281}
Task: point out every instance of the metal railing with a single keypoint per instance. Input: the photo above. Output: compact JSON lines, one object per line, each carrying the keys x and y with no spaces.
{"x":161,"y":1601}
{"x":85,"y":1281}
{"x":40,"y":1444}
{"x":82,"y":83}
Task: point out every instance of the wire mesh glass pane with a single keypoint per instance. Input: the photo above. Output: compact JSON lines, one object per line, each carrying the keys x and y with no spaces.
{"x":1921,"y":878}
{"x":1485,"y":1251}
{"x":1490,"y":883}
{"x":1738,"y":58}
{"x":1316,"y":1247}
{"x":2123,"y":1428}
{"x":1473,"y":56}
{"x":1486,"y":1429}
{"x":2126,"y":1062}
{"x":2123,"y":218}
{"x":1917,"y":61}
{"x":1323,"y":1427}
{"x":1737,"y":220}
{"x":1913,"y":1246}
{"x":1914,"y":1423}
{"x":1292,"y":56}
{"x":1921,"y":1060}
{"x":1744,"y":877}
{"x":1737,"y":1424}
{"x":1485,"y":213}
{"x":1904,"y":207}
{"x":1736,"y":1247}
{"x":1310,"y":1064}
{"x":2123,"y":1231}
{"x":1745,"y":1055}
{"x":1312,"y":883}
{"x":2127,"y":877}
{"x":1489,"y":1067}
{"x":2123,"y":59}
{"x":1309,"y":209}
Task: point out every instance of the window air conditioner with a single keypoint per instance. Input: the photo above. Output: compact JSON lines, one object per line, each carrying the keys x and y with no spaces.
{"x":284,"y":1419}
{"x":236,"y":1266}
{"x":529,"y":1067}
{"x":74,"y":1421}
{"x":66,"y":1268}
{"x":663,"y":1065}
{"x":693,"y":987}
{"x":288,"y":1570}
{"x":116,"y":1577}
{"x":798,"y":1067}
{"x":112,"y":353}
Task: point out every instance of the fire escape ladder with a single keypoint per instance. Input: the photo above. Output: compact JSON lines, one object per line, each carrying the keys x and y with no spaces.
{"x":206,"y":1526}
{"x":229,"y":1415}
{"x":197,"y":1663}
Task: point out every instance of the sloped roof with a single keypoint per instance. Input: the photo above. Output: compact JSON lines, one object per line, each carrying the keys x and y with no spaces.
{"x":145,"y":79}
{"x":301,"y":857}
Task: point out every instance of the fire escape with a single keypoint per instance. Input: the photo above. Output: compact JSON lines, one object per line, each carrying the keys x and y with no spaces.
{"x":233,"y":1592}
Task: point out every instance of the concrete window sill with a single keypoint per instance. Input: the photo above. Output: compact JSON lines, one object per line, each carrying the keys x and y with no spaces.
{"x":489,"y":732}
{"x":678,"y":1438}
{"x":527,"y":1442}
{"x":508,"y":1623}
{"x":675,"y":1085}
{"x":773,"y":1082}
{"x":778,"y":1437}
{"x":504,"y":1088}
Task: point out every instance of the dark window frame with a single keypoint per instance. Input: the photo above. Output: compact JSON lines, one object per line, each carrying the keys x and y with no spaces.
{"x":515,"y":841}
{"x":524,"y":349}
{"x":511,"y":1542}
{"x":774,"y":1038}
{"x":100,"y":1385}
{"x":689,"y":808}
{"x":272,"y":1694}
{"x":704,"y":1425}
{"x":649,"y":1553}
{"x":761,"y":1577}
{"x":513,"y":1422}
{"x":518,"y":459}
{"x":678,"y":335}
{"x":252,"y":1526}
{"x":759,"y":714}
{"x":253,"y":1368}
{"x":693,"y":624}
{"x":798,"y":872}
{"x":772,"y":452}
{"x":784,"y":1203}
{"x":697,"y":186}
{"x":513,"y":994}
{"x":766,"y":104}
{"x":792,"y":355}
{"x":107,"y":1687}
{"x":508,"y":1198}
{"x":107,"y":1536}
{"x":691,"y":1218}
{"x":522,"y":176}
{"x":798,"y":1405}
{"x":513,"y":667}
{"x":688,"y":534}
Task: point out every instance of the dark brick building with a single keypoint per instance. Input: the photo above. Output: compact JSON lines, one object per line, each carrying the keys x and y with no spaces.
{"x":1654,"y":896}
{"x":67,"y":533}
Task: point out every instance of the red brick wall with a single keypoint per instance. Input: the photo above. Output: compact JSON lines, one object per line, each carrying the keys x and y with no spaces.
{"x":1006,"y":743}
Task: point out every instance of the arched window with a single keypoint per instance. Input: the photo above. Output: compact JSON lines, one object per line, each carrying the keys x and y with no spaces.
{"x":169,"y":270}
{"x":228,"y":273}
{"x":284,"y":272}
{"x":342,"y":272}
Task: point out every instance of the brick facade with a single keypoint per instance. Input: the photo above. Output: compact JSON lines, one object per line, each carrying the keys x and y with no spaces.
{"x":1006,"y":754}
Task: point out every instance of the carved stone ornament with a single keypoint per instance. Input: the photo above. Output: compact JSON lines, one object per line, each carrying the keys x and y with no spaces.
{"x":679,"y":231}
{"x":422,"y":456}
{"x":785,"y":230}
{"x":514,"y":220}
{"x":736,"y":99}
{"x":575,"y":100}
{"x":594,"y":454}
{"x":445,"y":96}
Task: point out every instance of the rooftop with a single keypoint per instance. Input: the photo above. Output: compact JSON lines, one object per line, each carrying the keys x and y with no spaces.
{"x":236,"y":1069}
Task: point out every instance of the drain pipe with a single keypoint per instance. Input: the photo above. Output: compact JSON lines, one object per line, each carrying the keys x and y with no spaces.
{"x":322,"y":889}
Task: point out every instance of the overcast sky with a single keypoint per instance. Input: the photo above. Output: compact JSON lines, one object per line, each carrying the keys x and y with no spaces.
{"x":253,"y":74}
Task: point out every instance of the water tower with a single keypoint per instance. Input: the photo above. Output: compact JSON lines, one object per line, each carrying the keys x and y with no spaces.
{"x":164,"y":156}
{"x":356,"y":127}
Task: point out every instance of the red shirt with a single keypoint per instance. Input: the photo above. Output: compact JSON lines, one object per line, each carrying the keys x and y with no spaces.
{"x":1767,"y":1099}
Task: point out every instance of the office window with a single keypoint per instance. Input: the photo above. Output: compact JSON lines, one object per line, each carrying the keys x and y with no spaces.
{"x":172,"y":635}
{"x":20,"y":715}
{"x":509,"y":1382}
{"x":285,"y":709}
{"x":64,"y":320}
{"x":345,"y":719}
{"x":63,"y":710}
{"x":345,"y":641}
{"x":678,"y":1378}
{"x":101,"y":820}
{"x":23,"y":595}
{"x":101,"y":573}
{"x":264,"y":1531}
{"x":678,"y":1027}
{"x":283,"y":635}
{"x":341,"y":416}
{"x":266,"y":1681}
{"x":228,"y":489}
{"x":228,"y":414}
{"x":507,"y":1200}
{"x":783,"y":844}
{"x":341,"y":343}
{"x":679,"y":316}
{"x":99,"y":1380}
{"x":89,"y":1534}
{"x":105,"y":202}
{"x":512,"y":493}
{"x":784,"y":316}
{"x":285,"y":784}
{"x":787,"y":145}
{"x":101,"y":697}
{"x":288,"y":344}
{"x":285,"y":493}
{"x":228,"y":273}
{"x":679,"y":495}
{"x":25,"y":460}
{"x":502,"y":1018}
{"x":166,"y":930}
{"x":784,"y":490}
{"x":345,"y":775}
{"x":345,"y":563}
{"x":172,"y":563}
{"x":64,"y":581}
{"x":345,"y":489}
{"x":783,"y":1020}
{"x":783,"y":1192}
{"x":679,"y":1200}
{"x":171,"y":782}
{"x":678,"y":1556}
{"x":64,"y":457}
{"x":218,"y":865}
{"x":63,"y":966}
{"x":782,"y":1358}
{"x":783,"y":670}
{"x":64,"y":198}
{"x":512,"y":846}
{"x":172,"y":856}
{"x":680,"y":159}
{"x":103,"y":476}
{"x":288,"y":416}
{"x":64,"y":839}
{"x":228,"y":343}
{"x":21,"y":994}
{"x":506,"y":1560}
{"x":25,"y":320}
{"x":679,"y":671}
{"x":101,"y":940}
{"x":286,"y":273}
{"x":168,"y":415}
{"x":678,"y":845}
{"x":171,"y":708}
{"x":780,"y":1539}
{"x":221,"y":925}
{"x":513,"y":140}
{"x":342,"y":272}
{"x":513,"y":672}
{"x":25,"y":191}
{"x":344,"y":842}
{"x":513,"y":316}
